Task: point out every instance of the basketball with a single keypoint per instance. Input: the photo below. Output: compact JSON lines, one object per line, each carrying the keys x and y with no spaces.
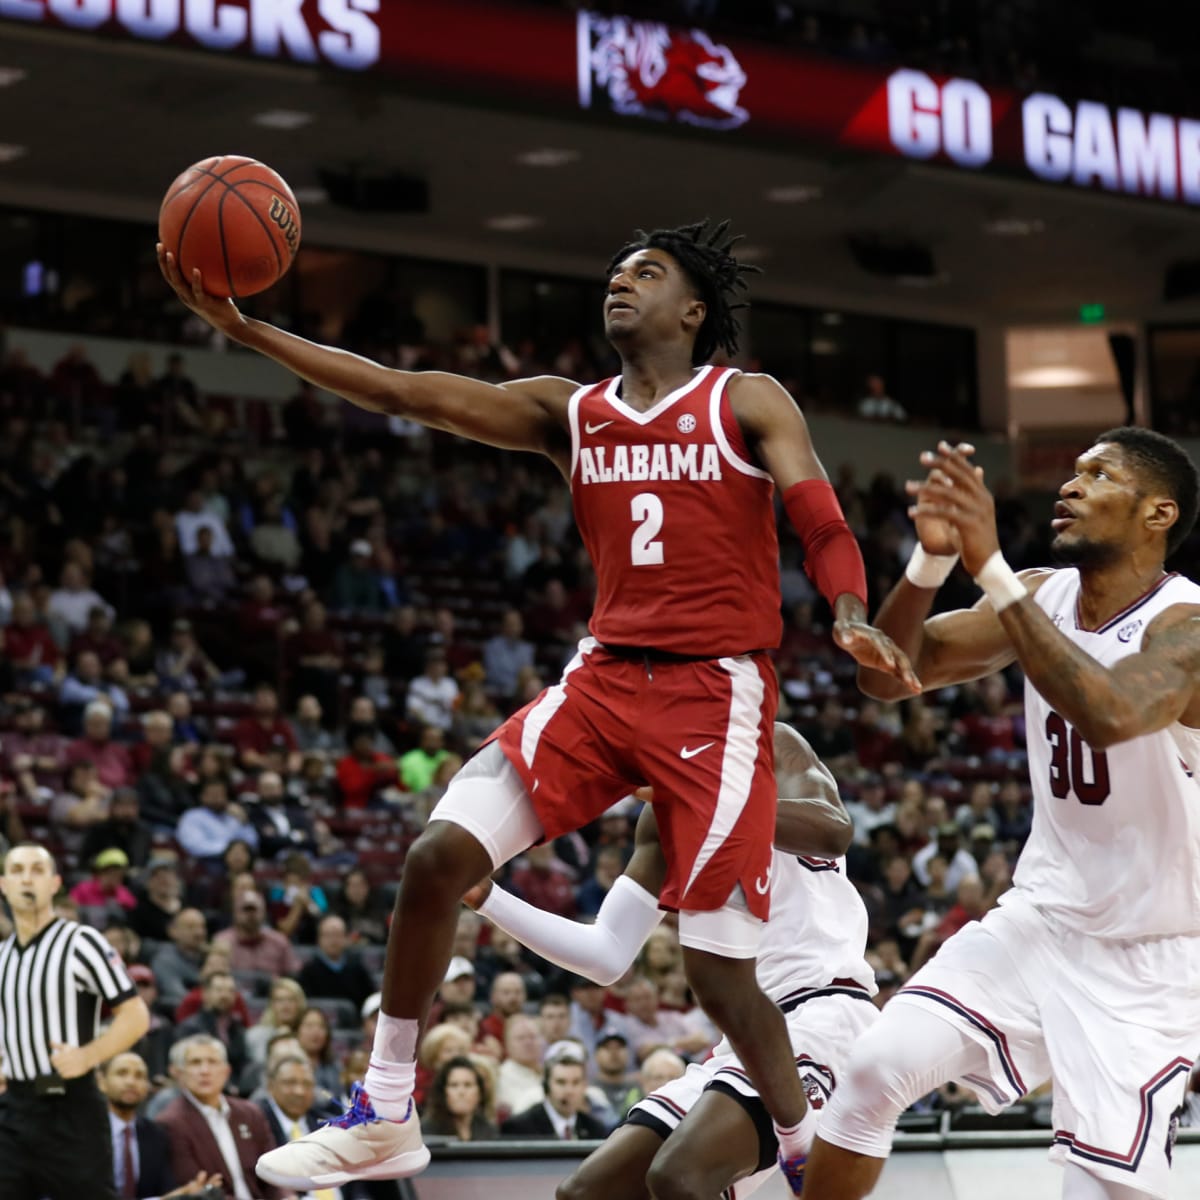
{"x":236,"y":220}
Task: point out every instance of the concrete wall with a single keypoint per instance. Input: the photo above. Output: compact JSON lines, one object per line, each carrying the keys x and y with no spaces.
{"x":872,"y":448}
{"x":227,"y":373}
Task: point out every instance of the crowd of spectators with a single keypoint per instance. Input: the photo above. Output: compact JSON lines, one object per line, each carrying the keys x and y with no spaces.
{"x":234,"y":684}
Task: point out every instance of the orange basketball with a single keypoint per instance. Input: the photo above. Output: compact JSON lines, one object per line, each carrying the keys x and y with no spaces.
{"x":236,"y":220}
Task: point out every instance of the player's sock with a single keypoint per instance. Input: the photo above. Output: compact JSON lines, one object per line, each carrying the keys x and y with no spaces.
{"x":392,"y":1071}
{"x":796,"y":1141}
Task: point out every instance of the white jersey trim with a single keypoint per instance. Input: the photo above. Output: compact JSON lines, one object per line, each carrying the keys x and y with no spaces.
{"x":714,"y":419}
{"x":611,"y":394}
{"x":553,"y":698}
{"x":737,"y":766}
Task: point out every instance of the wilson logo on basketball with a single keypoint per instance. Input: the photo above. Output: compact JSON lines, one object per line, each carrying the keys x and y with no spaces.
{"x":282,"y":216}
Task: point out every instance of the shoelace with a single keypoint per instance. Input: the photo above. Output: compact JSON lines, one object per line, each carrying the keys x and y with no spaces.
{"x":793,"y":1171}
{"x":361,"y":1110}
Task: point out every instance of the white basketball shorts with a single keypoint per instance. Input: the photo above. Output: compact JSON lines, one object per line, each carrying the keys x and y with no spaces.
{"x":1114,"y":1024}
{"x":823,"y":1026}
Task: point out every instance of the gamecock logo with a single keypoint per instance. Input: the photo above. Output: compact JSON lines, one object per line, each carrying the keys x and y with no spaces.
{"x":815,"y":1089}
{"x":648,"y":69}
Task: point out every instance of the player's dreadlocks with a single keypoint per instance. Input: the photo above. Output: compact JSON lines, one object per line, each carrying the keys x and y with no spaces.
{"x":703,"y":251}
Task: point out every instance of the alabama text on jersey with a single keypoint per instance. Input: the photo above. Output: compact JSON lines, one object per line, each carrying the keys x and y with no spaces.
{"x":678,"y":520}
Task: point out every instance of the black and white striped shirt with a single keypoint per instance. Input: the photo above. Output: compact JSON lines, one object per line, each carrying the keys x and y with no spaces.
{"x":51,"y":991}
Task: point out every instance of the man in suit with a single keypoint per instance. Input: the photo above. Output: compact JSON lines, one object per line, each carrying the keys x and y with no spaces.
{"x":289,"y":1107}
{"x":563,"y":1113}
{"x":209,"y":1131}
{"x":218,"y":1019}
{"x":334,"y":972}
{"x":141,"y":1153}
{"x":280,"y":825}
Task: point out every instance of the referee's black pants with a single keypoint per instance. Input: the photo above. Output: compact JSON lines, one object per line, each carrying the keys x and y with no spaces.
{"x":55,"y":1147}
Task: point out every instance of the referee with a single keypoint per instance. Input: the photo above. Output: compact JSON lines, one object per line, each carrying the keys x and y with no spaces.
{"x":55,"y":1139}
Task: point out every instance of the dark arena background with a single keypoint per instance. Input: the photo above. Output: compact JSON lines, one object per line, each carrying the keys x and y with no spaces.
{"x":973,"y":221}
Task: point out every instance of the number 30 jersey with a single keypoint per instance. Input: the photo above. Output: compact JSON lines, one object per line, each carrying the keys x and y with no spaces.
{"x":1115,"y":846}
{"x":679,"y":523}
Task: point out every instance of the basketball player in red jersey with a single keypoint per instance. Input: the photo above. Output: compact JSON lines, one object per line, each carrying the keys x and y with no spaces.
{"x":672,"y":466}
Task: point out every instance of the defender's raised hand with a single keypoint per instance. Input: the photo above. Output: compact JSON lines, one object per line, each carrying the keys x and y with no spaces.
{"x":937,"y":536}
{"x":954,"y":493}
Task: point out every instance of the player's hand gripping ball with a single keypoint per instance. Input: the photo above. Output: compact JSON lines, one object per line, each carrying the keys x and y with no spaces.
{"x":233,"y":218}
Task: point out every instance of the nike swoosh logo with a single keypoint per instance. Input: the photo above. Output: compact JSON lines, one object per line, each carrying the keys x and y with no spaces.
{"x":762,"y":885}
{"x":689,"y":753}
{"x":596,"y":428}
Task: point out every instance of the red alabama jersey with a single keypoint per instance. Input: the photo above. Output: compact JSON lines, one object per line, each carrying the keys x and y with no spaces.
{"x":680,"y":525}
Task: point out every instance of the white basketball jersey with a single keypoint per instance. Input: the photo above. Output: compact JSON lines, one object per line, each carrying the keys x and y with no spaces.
{"x":1115,"y":846}
{"x":818,"y":928}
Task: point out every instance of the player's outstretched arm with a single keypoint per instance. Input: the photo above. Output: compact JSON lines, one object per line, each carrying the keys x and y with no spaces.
{"x":952,"y":647}
{"x":811,"y":819}
{"x":604,"y":950}
{"x":777,"y":435}
{"x":528,"y":414}
{"x":1142,"y":693}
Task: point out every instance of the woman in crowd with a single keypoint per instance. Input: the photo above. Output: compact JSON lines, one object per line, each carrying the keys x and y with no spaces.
{"x":442,"y":1043}
{"x":459,"y":1102}
{"x":661,"y":956}
{"x":316,"y":1040}
{"x":363,"y":909}
{"x":281,"y":1014}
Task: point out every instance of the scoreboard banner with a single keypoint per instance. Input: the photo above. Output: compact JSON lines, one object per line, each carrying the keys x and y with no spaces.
{"x":648,"y":72}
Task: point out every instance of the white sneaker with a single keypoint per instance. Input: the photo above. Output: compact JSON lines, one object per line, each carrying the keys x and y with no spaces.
{"x":357,"y":1145}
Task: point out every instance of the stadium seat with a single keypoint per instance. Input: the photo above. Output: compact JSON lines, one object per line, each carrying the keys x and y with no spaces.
{"x":342,"y":1014}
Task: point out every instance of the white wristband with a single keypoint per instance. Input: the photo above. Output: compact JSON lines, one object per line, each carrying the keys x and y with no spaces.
{"x":1000,"y":583}
{"x":927,"y":570}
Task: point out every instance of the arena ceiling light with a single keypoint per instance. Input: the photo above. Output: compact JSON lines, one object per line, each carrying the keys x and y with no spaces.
{"x":1014,"y":226}
{"x":11,"y":75}
{"x":923,"y":281}
{"x":310,"y":195}
{"x":283,"y":118}
{"x":547,"y":156}
{"x":1060,"y":375}
{"x":753,"y":252}
{"x":9,"y":152}
{"x":794,"y":193}
{"x":513,"y":222}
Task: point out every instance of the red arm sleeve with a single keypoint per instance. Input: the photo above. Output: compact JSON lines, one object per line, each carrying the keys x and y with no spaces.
{"x":832,"y":558}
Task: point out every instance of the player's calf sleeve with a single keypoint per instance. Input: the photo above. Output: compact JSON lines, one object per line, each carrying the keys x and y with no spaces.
{"x":896,"y":1062}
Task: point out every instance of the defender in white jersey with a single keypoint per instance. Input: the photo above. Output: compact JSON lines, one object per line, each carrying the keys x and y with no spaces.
{"x":708,"y":1131}
{"x":1088,"y":974}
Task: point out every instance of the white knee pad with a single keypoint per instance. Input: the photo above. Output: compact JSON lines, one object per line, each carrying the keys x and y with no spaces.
{"x":902,"y":1057}
{"x":489,"y":801}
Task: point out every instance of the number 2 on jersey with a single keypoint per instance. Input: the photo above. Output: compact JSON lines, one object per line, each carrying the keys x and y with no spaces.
{"x":1068,"y":772}
{"x":645,"y":550}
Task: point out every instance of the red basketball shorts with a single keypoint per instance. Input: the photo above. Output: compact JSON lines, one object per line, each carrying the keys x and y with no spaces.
{"x":701,"y":734}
